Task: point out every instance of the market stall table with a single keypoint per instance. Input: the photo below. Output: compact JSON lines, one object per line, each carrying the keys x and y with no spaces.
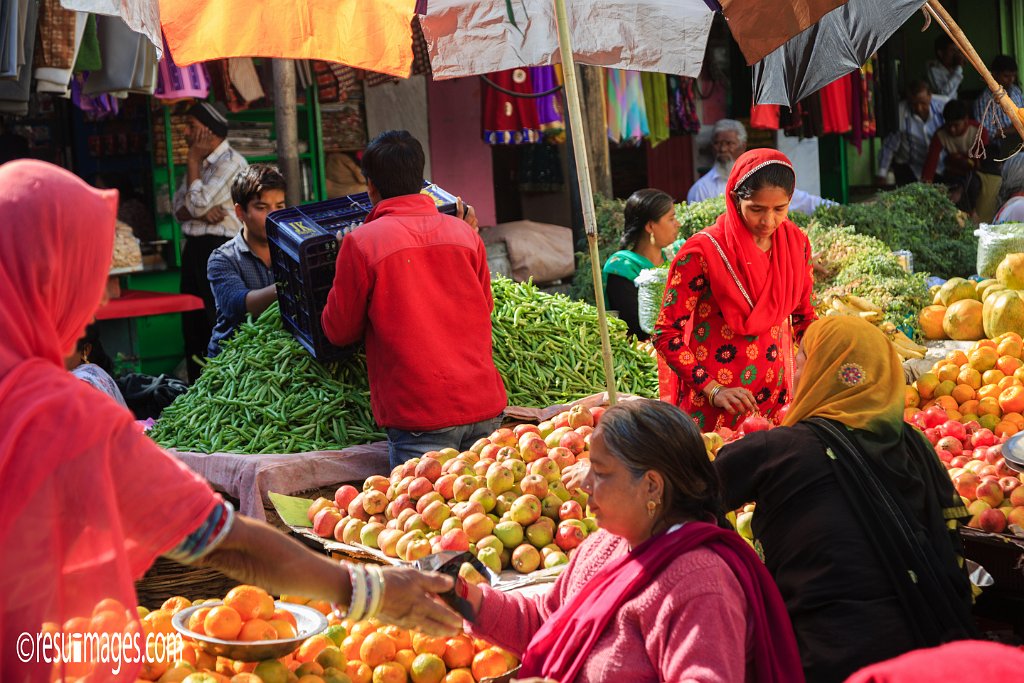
{"x":134,"y":303}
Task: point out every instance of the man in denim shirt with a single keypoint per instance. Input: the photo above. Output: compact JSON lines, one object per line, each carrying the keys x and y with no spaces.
{"x":239,"y":270}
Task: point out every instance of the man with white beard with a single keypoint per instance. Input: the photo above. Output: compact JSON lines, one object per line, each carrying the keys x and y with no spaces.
{"x":729,"y":140}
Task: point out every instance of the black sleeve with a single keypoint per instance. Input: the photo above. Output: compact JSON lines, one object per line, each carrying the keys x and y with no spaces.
{"x":738,"y":465}
{"x":622,"y":297}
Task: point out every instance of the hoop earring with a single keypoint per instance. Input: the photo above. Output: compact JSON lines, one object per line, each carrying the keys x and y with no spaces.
{"x":651,"y":508}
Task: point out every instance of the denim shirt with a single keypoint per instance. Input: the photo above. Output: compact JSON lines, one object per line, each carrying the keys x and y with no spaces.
{"x":233,"y":271}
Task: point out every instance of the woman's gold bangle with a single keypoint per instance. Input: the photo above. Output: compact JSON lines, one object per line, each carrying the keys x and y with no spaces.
{"x":714,"y":392}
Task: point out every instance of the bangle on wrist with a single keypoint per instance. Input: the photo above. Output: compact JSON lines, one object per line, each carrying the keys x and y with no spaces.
{"x":714,"y":392}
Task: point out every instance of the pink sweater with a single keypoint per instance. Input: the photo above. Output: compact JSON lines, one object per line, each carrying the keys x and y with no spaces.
{"x":688,"y":625}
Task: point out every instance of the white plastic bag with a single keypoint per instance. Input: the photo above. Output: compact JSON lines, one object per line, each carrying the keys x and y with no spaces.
{"x":995,"y":242}
{"x":650,"y":284}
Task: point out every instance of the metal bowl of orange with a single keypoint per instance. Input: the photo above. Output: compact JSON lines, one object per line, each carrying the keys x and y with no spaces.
{"x":308,"y":622}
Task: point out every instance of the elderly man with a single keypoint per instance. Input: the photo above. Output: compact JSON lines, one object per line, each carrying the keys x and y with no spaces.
{"x":905,"y":150}
{"x":729,"y":140}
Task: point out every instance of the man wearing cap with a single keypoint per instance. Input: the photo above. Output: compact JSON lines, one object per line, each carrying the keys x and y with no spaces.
{"x":204,"y":207}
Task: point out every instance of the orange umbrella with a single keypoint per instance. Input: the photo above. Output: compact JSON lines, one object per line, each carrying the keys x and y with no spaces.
{"x":375,"y":35}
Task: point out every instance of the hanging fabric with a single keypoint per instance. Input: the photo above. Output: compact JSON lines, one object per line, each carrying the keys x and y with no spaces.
{"x":56,"y":36}
{"x":120,"y":49}
{"x":549,"y":108}
{"x":13,"y":17}
{"x":55,"y":76}
{"x":682,"y":105}
{"x":627,"y":116}
{"x":856,"y":136}
{"x":88,"y":58}
{"x":655,"y":89}
{"x":220,"y":84}
{"x":420,"y":50}
{"x":14,"y":94}
{"x":764,"y":116}
{"x":175,"y":82}
{"x":869,"y":122}
{"x":510,"y":120}
{"x":835,"y":106}
{"x":100,"y":106}
{"x":244,"y":79}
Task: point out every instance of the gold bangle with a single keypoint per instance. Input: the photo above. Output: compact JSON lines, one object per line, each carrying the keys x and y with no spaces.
{"x":714,"y":392}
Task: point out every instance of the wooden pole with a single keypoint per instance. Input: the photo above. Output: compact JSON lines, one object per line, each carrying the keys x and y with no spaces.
{"x":287,"y":126}
{"x":945,"y":20}
{"x":572,"y":98}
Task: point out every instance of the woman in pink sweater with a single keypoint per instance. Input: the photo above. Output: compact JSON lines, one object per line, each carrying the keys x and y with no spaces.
{"x":658,"y":594}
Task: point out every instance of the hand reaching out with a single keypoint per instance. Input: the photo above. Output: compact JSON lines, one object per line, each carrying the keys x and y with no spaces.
{"x":410,"y":602}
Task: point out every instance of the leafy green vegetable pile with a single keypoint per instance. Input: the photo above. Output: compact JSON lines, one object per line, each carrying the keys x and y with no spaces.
{"x":865,"y":266}
{"x":918,"y":217}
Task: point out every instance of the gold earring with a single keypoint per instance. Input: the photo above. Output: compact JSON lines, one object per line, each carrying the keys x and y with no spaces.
{"x":85,"y":358}
{"x":653,"y":241}
{"x":651,"y":507}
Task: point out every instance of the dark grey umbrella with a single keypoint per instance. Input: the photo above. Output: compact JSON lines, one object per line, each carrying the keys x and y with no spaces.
{"x":841,"y":41}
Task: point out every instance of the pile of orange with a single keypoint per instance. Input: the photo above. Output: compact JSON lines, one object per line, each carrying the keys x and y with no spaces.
{"x":347,"y":652}
{"x":985,"y":384}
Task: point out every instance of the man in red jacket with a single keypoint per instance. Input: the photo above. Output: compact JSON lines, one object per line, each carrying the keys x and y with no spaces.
{"x":414,"y":285}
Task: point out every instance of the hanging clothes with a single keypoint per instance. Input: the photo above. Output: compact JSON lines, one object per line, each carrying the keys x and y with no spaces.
{"x":627,"y":114}
{"x":88,"y":58}
{"x":869,"y":123}
{"x":175,"y":82}
{"x":655,"y":89}
{"x":55,"y":77}
{"x":510,"y":120}
{"x":14,"y":94}
{"x":12,"y":55}
{"x":835,"y":106}
{"x":549,"y":107}
{"x":764,"y":116}
{"x":55,"y":33}
{"x":856,"y":136}
{"x":244,"y":79}
{"x":129,"y":60}
{"x":682,"y":105}
{"x":333,"y":81}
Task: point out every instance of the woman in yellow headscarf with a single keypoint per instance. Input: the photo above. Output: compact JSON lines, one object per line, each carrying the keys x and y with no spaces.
{"x":855,"y":514}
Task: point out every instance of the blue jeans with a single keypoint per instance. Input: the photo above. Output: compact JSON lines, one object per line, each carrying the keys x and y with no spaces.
{"x":404,"y":446}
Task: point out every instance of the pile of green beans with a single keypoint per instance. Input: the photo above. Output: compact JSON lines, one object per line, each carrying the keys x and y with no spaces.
{"x":547,"y":348}
{"x":264,"y":393}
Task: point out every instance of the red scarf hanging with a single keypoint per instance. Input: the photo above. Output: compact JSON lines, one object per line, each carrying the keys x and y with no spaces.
{"x":561,"y":647}
{"x":774,"y":281}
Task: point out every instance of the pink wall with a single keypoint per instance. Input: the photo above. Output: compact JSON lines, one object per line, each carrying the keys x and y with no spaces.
{"x":459,"y":159}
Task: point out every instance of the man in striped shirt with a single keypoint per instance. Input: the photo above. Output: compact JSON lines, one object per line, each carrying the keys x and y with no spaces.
{"x":203,"y":205}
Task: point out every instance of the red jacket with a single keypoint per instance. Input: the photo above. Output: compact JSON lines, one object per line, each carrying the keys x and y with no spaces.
{"x":414,"y":284}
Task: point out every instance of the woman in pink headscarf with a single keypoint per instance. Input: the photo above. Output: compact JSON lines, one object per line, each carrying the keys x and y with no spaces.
{"x":87,"y":502}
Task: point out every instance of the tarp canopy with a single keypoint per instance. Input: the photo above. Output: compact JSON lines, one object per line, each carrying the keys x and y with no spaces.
{"x":375,"y":35}
{"x":470,"y":37}
{"x":142,"y":16}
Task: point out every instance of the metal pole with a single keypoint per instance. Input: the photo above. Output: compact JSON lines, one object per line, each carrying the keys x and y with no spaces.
{"x":287,"y":125}
{"x":579,"y":144}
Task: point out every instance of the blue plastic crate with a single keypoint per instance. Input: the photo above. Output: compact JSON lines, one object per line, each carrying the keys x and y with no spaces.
{"x":303,"y":253}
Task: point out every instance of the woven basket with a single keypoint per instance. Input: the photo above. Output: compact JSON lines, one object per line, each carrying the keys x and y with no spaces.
{"x":167,"y":578}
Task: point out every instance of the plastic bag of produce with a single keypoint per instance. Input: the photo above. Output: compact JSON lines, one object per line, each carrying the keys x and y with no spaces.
{"x":995,"y":242}
{"x":651,"y":286}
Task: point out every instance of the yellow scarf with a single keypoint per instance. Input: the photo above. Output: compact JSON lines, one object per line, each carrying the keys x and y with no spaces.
{"x":851,"y":375}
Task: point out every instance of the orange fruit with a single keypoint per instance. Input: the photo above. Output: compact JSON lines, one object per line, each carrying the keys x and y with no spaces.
{"x":1009,"y":364}
{"x":313,"y":646}
{"x":988,"y":391}
{"x":989,"y":406}
{"x":376,"y":649}
{"x":1019,"y":374}
{"x":359,"y":672}
{"x":968,"y":407}
{"x":459,"y":676}
{"x":158,"y":621}
{"x":283,"y":629}
{"x":246,"y":677}
{"x":458,"y":652}
{"x":243,"y":667}
{"x":970,"y":377}
{"x":992,"y":376}
{"x":1010,"y":346}
{"x":956,"y":357}
{"x":986,"y":344}
{"x":308,"y":668}
{"x":962,"y":393}
{"x":222,"y":622}
{"x":489,"y":663}
{"x":389,"y":672}
{"x":331,"y":657}
{"x":969,"y":417}
{"x":109,"y":621}
{"x":108,"y":604}
{"x":422,"y":643}
{"x":176,"y":604}
{"x":195,"y":620}
{"x":337,"y":633}
{"x":284,"y":615}
{"x":205,"y":661}
{"x":401,"y":636}
{"x":362,"y":629}
{"x":926,"y":384}
{"x":908,"y":414}
{"x":406,"y":658}
{"x":983,"y":358}
{"x":954,"y":415}
{"x":1007,"y":382}
{"x":1011,"y":400}
{"x":1015,"y":418}
{"x":427,"y":668}
{"x":945,"y":388}
{"x":251,"y":602}
{"x":947,"y":403}
{"x":947,"y":372}
{"x":321,"y":606}
{"x":272,"y":671}
{"x":988,"y":421}
{"x":911,"y":399}
{"x":257,"y":629}
{"x":350,"y":646}
{"x":1006,"y":428}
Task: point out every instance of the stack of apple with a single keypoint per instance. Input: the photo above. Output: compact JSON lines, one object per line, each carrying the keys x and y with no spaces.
{"x":503,"y":499}
{"x":973,"y":458}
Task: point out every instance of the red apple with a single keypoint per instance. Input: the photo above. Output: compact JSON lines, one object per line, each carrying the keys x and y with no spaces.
{"x":1008,"y":484}
{"x":503,"y":437}
{"x":1017,"y":497}
{"x":519,"y":430}
{"x":429,"y":469}
{"x":445,"y":486}
{"x":344,"y":495}
{"x":990,"y":492}
{"x":456,"y":539}
{"x":432,"y":497}
{"x":992,"y":520}
{"x":356,"y":509}
{"x":580,"y":416}
{"x":569,"y":536}
{"x":597,"y":413}
{"x":966,"y":484}
{"x":325,"y":521}
{"x":572,"y":441}
{"x":755,"y":423}
{"x":959,"y":461}
{"x":570,"y":509}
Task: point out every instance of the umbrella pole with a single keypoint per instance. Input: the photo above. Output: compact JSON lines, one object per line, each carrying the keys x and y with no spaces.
{"x":579,"y":143}
{"x":939,"y":13}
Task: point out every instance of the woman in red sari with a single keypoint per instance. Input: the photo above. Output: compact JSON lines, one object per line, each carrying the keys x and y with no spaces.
{"x":738,"y":296}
